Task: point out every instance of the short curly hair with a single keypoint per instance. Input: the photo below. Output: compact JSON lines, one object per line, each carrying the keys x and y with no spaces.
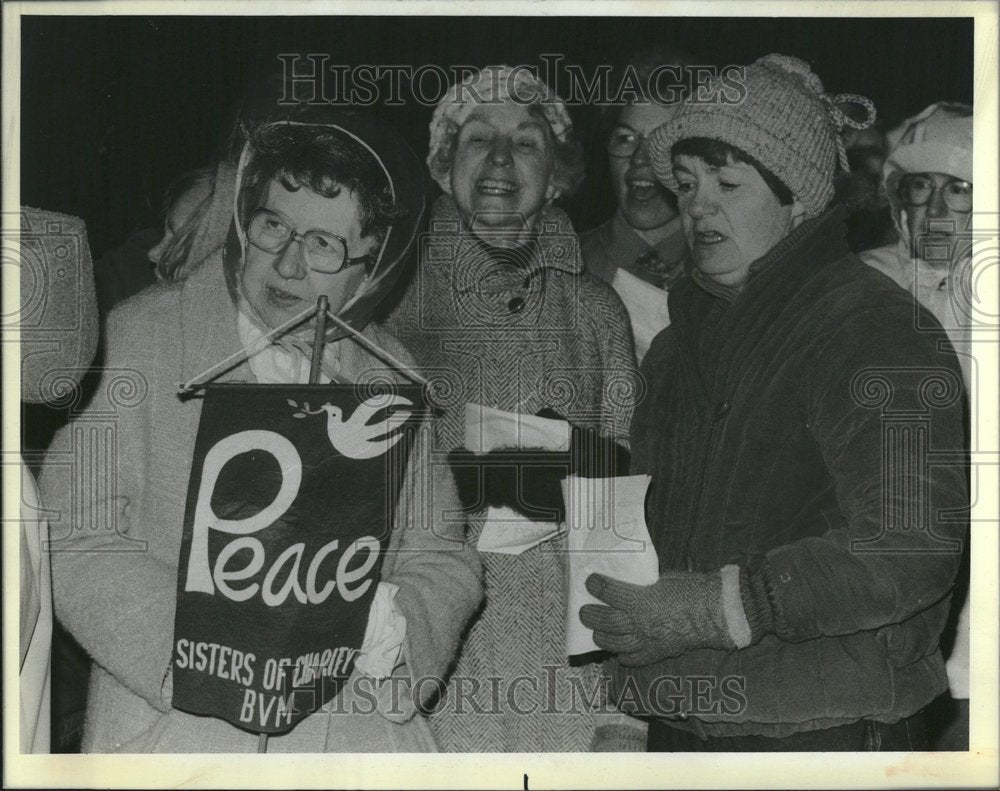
{"x":326,"y":163}
{"x":568,"y":158}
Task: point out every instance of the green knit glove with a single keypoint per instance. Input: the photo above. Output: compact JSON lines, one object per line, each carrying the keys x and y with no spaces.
{"x":680,"y":612}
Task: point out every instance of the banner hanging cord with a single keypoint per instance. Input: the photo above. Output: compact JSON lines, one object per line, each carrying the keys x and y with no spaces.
{"x":377,"y":350}
{"x":196,"y":382}
{"x":193,"y":383}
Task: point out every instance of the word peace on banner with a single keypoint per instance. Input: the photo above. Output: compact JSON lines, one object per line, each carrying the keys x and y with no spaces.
{"x":290,"y":505}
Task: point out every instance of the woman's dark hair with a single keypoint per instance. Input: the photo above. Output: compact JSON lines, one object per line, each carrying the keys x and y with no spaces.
{"x":325,"y":161}
{"x":719,"y":154}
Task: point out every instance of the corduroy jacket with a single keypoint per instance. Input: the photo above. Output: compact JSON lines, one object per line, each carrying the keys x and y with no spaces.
{"x":804,"y":429}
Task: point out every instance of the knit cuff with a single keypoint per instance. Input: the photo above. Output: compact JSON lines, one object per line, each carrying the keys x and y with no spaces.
{"x":756,"y":603}
{"x":732,"y":607}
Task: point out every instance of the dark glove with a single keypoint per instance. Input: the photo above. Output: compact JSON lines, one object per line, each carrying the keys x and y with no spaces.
{"x":680,"y":612}
{"x":592,"y":455}
{"x":528,"y":480}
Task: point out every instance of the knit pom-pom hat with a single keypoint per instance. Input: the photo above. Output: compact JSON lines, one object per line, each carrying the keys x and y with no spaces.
{"x":782,"y":117}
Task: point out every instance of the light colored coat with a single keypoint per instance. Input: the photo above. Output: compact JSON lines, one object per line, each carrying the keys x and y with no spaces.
{"x":118,"y":473}
{"x":938,"y":140}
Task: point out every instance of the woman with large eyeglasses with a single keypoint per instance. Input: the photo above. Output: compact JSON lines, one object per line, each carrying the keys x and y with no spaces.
{"x":328,"y":203}
{"x":322,"y":252}
{"x":928,"y":180}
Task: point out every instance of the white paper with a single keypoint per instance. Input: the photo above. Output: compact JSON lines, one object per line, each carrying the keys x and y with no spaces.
{"x":647,"y":308}
{"x":510,"y":533}
{"x":607,"y":534}
{"x":488,"y":429}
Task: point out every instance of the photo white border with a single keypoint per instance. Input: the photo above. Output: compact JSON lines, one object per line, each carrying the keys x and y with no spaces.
{"x":977,"y":768}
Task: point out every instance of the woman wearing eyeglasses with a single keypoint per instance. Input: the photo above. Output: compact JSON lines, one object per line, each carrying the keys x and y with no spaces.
{"x":641,"y":250}
{"x":328,"y":203}
{"x":928,"y":180}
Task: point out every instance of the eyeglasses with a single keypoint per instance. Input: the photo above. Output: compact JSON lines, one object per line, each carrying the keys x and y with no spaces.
{"x":323,"y":252}
{"x":624,"y":141}
{"x":917,"y":189}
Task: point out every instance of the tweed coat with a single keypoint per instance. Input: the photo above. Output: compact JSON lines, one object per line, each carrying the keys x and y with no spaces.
{"x":521,"y":336}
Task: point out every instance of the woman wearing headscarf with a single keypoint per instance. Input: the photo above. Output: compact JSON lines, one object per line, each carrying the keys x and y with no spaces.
{"x":501,"y":314}
{"x":325,"y":202}
{"x":807,"y":549}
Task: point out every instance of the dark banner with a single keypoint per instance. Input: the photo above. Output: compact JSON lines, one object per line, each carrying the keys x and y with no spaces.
{"x":290,"y":505}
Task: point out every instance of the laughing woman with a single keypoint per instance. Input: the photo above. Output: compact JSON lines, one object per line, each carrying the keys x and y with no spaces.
{"x":501,"y":313}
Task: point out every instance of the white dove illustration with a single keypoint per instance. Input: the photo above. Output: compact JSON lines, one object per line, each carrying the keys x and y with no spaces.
{"x":354,"y":438}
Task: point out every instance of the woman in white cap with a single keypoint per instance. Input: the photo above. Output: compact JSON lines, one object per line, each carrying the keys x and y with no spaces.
{"x":502,"y":314}
{"x":928,"y":181}
{"x":806,"y":569}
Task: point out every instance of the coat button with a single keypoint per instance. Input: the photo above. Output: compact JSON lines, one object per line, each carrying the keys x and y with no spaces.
{"x":516,"y":305}
{"x":722,"y":410}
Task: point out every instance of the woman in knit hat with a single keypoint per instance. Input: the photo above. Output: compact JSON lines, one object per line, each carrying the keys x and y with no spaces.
{"x":502,"y":313}
{"x":805,"y":570}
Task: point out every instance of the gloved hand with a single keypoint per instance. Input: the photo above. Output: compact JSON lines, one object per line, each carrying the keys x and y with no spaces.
{"x":680,"y":612}
{"x":527,"y":480}
{"x":592,"y":455}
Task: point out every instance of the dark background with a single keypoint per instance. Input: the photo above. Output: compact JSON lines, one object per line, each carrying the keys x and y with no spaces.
{"x":114,"y":107}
